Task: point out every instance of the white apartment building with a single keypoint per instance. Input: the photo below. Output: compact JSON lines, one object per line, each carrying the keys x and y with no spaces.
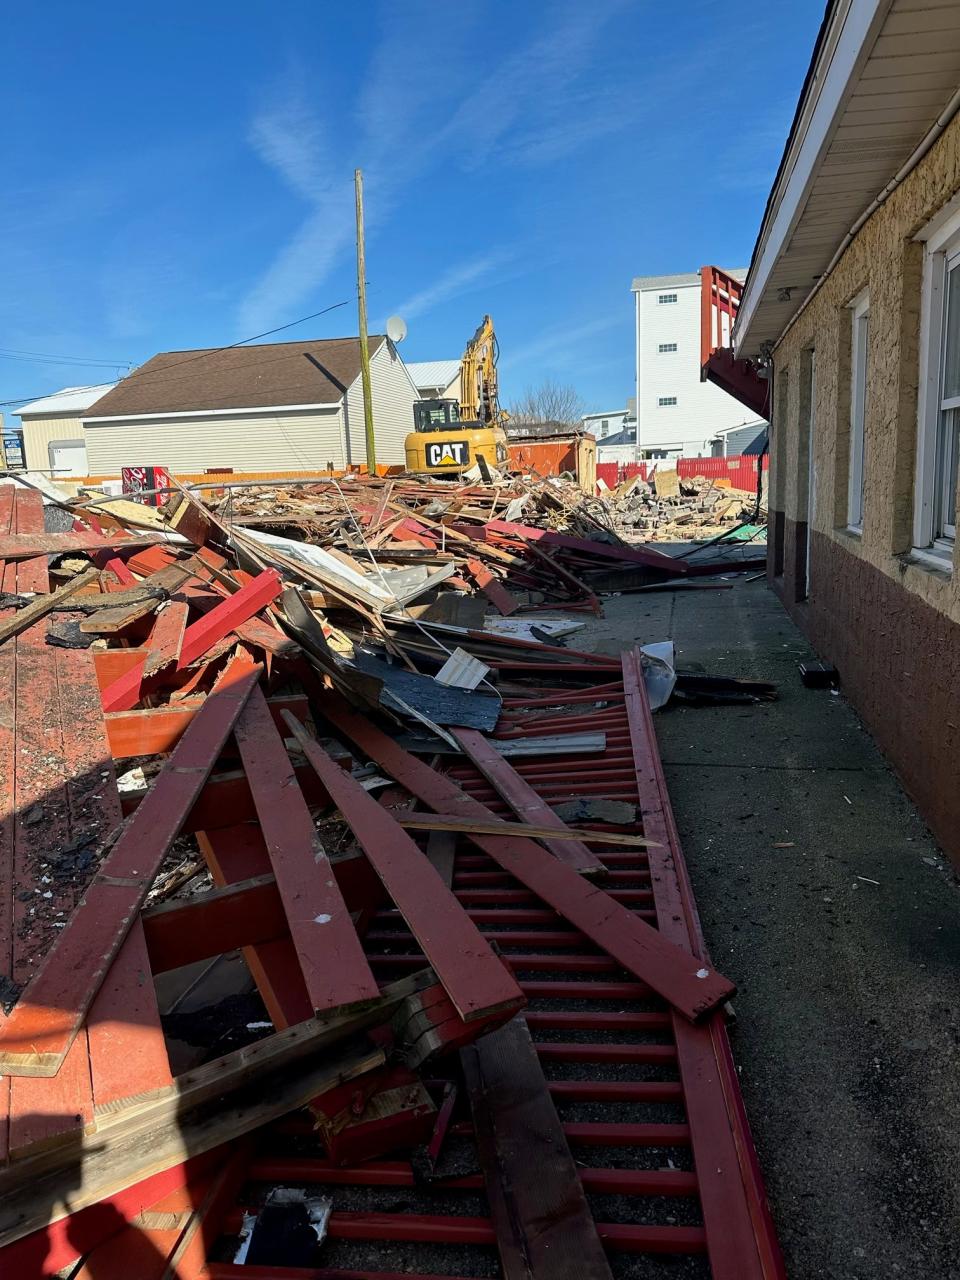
{"x":677,"y":413}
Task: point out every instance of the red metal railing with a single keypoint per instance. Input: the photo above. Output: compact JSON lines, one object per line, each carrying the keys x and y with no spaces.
{"x":720,"y":296}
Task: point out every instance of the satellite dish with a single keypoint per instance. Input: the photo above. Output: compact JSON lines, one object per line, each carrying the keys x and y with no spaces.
{"x":396,"y":329}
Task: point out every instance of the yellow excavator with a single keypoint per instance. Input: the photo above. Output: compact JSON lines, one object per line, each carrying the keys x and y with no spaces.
{"x":450,"y":437}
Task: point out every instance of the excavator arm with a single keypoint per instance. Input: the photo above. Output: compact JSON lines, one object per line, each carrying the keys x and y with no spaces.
{"x":478,"y":378}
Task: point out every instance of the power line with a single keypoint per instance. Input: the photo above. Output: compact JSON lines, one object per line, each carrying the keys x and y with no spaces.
{"x":161,"y":373}
{"x":43,"y":357}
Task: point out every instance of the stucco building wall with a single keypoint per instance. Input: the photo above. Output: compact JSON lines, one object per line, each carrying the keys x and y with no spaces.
{"x":889,"y":621}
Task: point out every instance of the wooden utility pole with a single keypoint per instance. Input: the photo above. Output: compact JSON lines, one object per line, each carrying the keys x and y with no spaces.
{"x":364,"y":348}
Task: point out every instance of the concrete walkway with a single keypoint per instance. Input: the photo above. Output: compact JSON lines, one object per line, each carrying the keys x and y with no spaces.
{"x":844,"y":942}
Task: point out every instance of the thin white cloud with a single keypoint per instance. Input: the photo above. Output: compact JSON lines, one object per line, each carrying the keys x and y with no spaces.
{"x":451,"y":284}
{"x":558,"y":345}
{"x":415,"y":76}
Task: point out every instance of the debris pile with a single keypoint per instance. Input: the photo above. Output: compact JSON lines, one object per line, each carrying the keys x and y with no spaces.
{"x":668,"y":509}
{"x":390,"y":889}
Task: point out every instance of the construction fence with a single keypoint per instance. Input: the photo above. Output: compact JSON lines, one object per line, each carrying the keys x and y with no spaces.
{"x":739,"y":470}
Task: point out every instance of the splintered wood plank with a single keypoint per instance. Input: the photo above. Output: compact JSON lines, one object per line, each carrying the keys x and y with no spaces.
{"x":493,"y":588}
{"x":524,"y":801}
{"x":110,"y":622}
{"x":544,"y":1227}
{"x":202,"y":1110}
{"x":28,"y":546}
{"x":16,"y":622}
{"x":499,"y":827}
{"x":692,"y":986}
{"x":331,"y":956}
{"x":476,"y":980}
{"x":221,"y":620}
{"x":36,"y":1037}
{"x":163,"y":650}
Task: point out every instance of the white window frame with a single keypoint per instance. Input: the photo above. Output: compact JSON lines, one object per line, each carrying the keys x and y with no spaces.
{"x":666,"y":402}
{"x":932,"y":537}
{"x":666,"y":348}
{"x":859,"y":374}
{"x":664,"y":298}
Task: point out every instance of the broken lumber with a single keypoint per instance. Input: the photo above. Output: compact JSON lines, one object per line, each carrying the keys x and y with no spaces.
{"x":35,"y":1039}
{"x":42,"y":605}
{"x":498,"y":827}
{"x":692,"y":987}
{"x":201,"y":635}
{"x":543,"y":1225}
{"x":331,"y":956}
{"x":476,"y":980}
{"x":28,"y":546}
{"x":524,"y":801}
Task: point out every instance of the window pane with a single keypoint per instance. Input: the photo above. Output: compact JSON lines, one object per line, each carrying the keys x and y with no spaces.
{"x":951,"y":339}
{"x":949,"y":457}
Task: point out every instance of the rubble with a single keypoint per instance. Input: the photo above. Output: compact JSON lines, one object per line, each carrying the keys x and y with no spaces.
{"x":409,"y":828}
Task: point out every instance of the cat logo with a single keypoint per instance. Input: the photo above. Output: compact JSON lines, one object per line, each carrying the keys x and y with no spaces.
{"x":449,"y":453}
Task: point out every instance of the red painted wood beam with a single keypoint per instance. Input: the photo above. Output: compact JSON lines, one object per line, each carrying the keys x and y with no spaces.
{"x":37,"y":1036}
{"x":691,"y":985}
{"x":476,"y":980}
{"x":222,"y":619}
{"x":330,"y":953}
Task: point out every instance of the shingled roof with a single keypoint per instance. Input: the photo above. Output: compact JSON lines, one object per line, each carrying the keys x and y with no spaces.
{"x":265,"y":376}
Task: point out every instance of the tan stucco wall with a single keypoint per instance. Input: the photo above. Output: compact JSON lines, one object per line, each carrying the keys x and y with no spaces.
{"x":885,"y":258}
{"x":38,"y":433}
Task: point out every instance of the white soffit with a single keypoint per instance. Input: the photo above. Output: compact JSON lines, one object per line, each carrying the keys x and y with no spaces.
{"x":885,"y":72}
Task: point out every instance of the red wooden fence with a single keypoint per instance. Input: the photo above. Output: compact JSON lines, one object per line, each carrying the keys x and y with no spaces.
{"x":740,"y":469}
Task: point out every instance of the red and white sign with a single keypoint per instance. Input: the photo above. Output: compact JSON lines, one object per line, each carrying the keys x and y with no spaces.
{"x":138,"y":480}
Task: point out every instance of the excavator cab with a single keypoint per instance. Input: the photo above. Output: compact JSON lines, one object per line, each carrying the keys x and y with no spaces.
{"x":436,"y":415}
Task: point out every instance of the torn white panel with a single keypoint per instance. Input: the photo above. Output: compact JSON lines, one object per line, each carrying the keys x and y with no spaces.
{"x":462,"y":670}
{"x":364,"y":585}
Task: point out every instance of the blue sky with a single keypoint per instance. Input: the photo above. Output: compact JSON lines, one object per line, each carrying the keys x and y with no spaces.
{"x":182,"y":175}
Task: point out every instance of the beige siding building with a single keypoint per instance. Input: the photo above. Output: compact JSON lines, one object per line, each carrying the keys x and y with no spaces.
{"x":275,"y":407}
{"x":436,"y":379}
{"x":853,"y":299}
{"x":53,"y":438}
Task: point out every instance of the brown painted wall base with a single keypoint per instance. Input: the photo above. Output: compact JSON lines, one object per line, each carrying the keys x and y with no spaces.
{"x":899,"y":664}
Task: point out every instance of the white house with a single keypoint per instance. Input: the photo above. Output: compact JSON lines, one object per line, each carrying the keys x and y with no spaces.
{"x":278,"y":406}
{"x":52,"y":430}
{"x":601,"y":425}
{"x":677,"y":413}
{"x":436,"y":379}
